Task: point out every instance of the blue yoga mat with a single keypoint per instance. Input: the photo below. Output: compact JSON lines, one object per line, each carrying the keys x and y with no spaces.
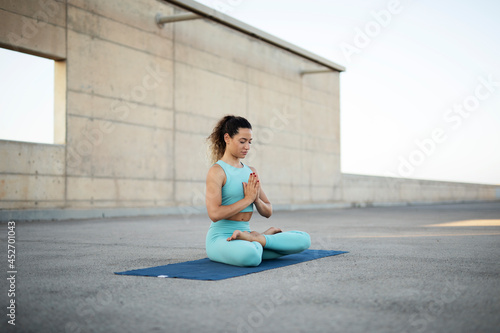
{"x":205,"y":269}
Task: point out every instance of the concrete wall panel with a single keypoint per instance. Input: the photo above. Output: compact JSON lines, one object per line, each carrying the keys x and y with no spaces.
{"x":144,"y":191}
{"x":209,"y":62}
{"x":42,"y":34}
{"x":138,"y":14}
{"x":273,"y":60}
{"x":369,"y":190}
{"x":326,"y":82}
{"x":50,"y":11}
{"x":301,"y":194}
{"x":315,"y":143}
{"x":190,"y":194}
{"x":212,"y":38}
{"x":265,"y":80}
{"x":94,"y":67}
{"x":102,"y":149}
{"x":194,"y":124}
{"x":206,"y":93}
{"x":280,"y":194}
{"x":273,"y":109}
{"x":29,"y":158}
{"x":31,"y":188}
{"x":155,"y":42}
{"x":279,"y":165}
{"x":270,"y":138}
{"x":324,"y":167}
{"x":119,"y":111}
{"x":190,"y":157}
{"x":319,"y":121}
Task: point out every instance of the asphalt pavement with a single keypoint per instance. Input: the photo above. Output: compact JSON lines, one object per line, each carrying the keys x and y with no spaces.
{"x":402,"y":274}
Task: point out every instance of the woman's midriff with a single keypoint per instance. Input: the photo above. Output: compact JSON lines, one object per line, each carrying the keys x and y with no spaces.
{"x":241,"y":216}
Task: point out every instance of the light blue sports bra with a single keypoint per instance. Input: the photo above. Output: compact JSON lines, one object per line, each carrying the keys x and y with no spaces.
{"x":232,"y":191}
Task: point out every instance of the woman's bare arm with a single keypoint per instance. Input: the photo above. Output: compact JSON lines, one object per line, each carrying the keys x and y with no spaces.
{"x":215,"y":180}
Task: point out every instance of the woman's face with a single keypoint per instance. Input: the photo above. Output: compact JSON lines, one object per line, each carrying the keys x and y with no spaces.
{"x":239,"y":144}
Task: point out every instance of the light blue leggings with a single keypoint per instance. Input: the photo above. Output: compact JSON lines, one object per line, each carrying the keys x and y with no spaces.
{"x":244,"y":253}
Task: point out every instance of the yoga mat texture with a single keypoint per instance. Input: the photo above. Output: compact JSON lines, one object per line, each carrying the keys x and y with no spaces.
{"x":205,"y":269}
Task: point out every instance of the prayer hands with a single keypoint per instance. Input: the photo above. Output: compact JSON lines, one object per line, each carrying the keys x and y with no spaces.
{"x":252,"y":188}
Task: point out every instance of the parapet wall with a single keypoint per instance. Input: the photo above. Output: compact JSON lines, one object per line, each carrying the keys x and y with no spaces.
{"x":372,"y":190}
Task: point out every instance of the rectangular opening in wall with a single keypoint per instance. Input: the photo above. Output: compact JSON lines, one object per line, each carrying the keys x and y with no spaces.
{"x":32,"y":95}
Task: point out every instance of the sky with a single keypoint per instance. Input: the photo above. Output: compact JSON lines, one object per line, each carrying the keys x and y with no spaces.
{"x":420,"y":97}
{"x":26,"y":97}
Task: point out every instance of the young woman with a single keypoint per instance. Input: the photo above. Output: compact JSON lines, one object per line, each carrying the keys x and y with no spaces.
{"x":233,"y":189}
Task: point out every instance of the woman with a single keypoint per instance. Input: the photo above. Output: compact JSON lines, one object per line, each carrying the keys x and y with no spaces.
{"x":233,"y":188}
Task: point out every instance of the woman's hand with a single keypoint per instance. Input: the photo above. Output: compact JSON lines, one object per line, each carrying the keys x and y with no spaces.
{"x":252,"y":188}
{"x":261,"y":201}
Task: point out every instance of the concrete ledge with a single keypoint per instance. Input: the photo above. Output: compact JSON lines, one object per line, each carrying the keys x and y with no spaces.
{"x":71,"y":214}
{"x":216,"y":16}
{"x":361,"y":189}
{"x":293,"y":207}
{"x":32,"y":35}
{"x":189,"y":211}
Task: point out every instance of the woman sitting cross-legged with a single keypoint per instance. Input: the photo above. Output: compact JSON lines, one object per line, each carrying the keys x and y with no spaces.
{"x":233,"y":188}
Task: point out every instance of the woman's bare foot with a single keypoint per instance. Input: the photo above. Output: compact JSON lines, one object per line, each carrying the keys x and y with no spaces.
{"x":253,"y":236}
{"x":272,"y":231}
{"x":242,"y":235}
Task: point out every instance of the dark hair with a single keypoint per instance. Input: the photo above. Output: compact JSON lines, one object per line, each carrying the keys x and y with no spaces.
{"x":229,"y":124}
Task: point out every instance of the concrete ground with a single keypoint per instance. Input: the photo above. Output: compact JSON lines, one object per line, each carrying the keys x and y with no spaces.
{"x":400,"y":275}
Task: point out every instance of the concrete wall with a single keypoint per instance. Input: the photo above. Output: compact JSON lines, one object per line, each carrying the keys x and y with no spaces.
{"x":138,"y":102}
{"x":360,"y":190}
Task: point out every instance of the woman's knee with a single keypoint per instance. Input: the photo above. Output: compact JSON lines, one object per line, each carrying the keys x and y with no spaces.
{"x":248,"y":256}
{"x":248,"y":261}
{"x":237,"y":253}
{"x":304,"y":241}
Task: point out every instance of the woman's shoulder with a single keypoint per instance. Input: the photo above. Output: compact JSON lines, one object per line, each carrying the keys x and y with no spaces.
{"x":216,"y":173}
{"x":216,"y":167}
{"x":252,"y":168}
